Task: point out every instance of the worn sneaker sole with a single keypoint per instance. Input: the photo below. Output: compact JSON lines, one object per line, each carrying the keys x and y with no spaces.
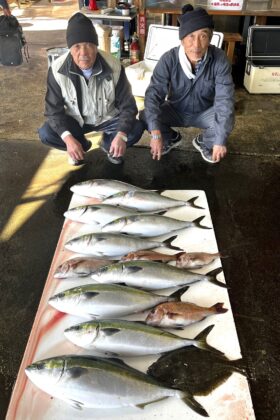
{"x":200,"y":149}
{"x":115,"y":161}
{"x":172,"y":146}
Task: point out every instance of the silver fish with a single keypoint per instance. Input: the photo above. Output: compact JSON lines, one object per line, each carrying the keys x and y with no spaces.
{"x":181,"y":314}
{"x":146,"y":201}
{"x":113,"y":245}
{"x":151,"y":275}
{"x":78,"y":267}
{"x":107,"y":300}
{"x":149,"y":225}
{"x":101,"y":188}
{"x":127,"y":338}
{"x":97,"y":214}
{"x":94,"y":382}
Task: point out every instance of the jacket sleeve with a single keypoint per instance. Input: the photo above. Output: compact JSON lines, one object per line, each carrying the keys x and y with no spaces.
{"x":4,"y":4}
{"x":54,"y":106}
{"x":224,"y":102}
{"x":156,"y":92}
{"x":126,"y":104}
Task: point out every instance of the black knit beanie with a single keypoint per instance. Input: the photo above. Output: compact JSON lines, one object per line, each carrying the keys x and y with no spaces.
{"x":193,"y":19}
{"x":80,"y":29}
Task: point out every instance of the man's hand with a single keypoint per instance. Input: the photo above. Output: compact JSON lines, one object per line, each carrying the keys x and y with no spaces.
{"x":218,"y":153}
{"x":74,"y":148}
{"x":118,"y":146}
{"x":156,"y":145}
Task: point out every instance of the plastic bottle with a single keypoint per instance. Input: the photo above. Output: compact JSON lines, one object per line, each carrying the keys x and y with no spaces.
{"x":134,"y":50}
{"x":115,"y":44}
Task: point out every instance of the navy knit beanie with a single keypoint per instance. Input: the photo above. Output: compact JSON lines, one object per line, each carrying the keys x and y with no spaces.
{"x":193,"y":19}
{"x":80,"y":29}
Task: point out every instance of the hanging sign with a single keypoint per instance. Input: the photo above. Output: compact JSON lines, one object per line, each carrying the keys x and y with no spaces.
{"x":225,"y":4}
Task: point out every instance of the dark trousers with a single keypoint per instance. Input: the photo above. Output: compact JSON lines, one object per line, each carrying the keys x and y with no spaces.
{"x":169,"y":117}
{"x":109,"y":128}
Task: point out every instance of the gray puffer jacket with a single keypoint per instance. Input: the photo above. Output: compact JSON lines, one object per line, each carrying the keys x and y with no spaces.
{"x":213,"y":86}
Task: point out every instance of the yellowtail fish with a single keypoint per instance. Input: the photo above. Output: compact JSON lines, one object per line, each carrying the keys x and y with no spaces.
{"x":101,"y":188}
{"x":94,"y":382}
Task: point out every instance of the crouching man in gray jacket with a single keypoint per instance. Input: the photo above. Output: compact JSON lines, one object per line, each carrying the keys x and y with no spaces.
{"x":87,"y":90}
{"x":191,"y":86}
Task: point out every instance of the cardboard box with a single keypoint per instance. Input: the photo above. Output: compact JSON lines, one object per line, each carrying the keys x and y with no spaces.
{"x":262,"y":72}
{"x":160,"y":39}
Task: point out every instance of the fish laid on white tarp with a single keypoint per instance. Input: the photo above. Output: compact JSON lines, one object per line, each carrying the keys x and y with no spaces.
{"x":101,"y":188}
{"x":93,"y":382}
{"x":147,"y":201}
{"x":114,"y":244}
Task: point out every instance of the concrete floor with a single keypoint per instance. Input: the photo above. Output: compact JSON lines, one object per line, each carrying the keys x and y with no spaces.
{"x":243,"y":195}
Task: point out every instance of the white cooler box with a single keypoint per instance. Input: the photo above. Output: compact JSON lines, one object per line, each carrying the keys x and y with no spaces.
{"x":262,"y":71}
{"x":160,"y":39}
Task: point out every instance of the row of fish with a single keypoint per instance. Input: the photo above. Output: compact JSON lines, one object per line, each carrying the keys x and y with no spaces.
{"x":126,"y":219}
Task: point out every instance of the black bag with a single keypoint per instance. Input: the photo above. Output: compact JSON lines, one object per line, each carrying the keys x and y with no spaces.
{"x":11,"y":41}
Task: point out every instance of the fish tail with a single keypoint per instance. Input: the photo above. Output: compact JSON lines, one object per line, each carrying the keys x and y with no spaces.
{"x":194,"y":405}
{"x":168,"y":243}
{"x":191,"y":203}
{"x":179,"y":293}
{"x":212,"y":277}
{"x":219,"y":309}
{"x":200,"y":341}
{"x":197,"y":221}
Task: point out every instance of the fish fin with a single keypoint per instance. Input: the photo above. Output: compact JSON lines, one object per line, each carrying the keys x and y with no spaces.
{"x":191,"y":203}
{"x":168,"y":243}
{"x":133,"y":268}
{"x":197,"y":223}
{"x":76,"y":372}
{"x":219,"y":308}
{"x":143,"y":405}
{"x":212,"y":277}
{"x":91,"y":294}
{"x":179,"y":293}
{"x":110,"y":331}
{"x":194,"y":405}
{"x":201,"y":343}
{"x":76,"y":404}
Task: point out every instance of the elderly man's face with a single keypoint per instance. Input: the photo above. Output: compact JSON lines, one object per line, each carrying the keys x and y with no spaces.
{"x":196,"y":43}
{"x":84,"y":54}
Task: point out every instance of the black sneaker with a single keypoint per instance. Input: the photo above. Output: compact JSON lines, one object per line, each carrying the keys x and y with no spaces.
{"x":74,"y":162}
{"x":174,"y":143}
{"x":200,"y":146}
{"x":112,"y":159}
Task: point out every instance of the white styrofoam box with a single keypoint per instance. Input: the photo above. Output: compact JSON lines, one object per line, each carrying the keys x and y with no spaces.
{"x":262,"y":72}
{"x":161,"y":38}
{"x":259,"y":79}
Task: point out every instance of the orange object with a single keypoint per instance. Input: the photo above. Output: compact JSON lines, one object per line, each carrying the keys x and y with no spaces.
{"x":92,"y":5}
{"x":134,"y":50}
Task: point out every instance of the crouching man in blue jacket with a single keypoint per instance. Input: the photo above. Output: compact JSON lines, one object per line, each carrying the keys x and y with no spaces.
{"x":191,"y":86}
{"x":87,"y":90}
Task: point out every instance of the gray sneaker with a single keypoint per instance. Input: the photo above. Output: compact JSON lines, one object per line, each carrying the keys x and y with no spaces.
{"x":200,"y":146}
{"x":174,"y":143}
{"x":112,"y":159}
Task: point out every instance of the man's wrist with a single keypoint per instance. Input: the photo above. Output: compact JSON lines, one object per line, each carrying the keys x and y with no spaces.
{"x":65,"y":134}
{"x":156,"y":136}
{"x":122,"y":136}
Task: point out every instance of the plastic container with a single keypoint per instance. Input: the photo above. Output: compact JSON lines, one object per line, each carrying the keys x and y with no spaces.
{"x":54,"y":53}
{"x":116,"y":44}
{"x":104,"y":36}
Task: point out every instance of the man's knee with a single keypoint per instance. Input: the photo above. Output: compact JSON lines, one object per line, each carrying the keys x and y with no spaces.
{"x":49,"y":138}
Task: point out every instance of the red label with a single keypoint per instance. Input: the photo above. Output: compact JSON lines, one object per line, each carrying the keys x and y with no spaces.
{"x":142,"y":24}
